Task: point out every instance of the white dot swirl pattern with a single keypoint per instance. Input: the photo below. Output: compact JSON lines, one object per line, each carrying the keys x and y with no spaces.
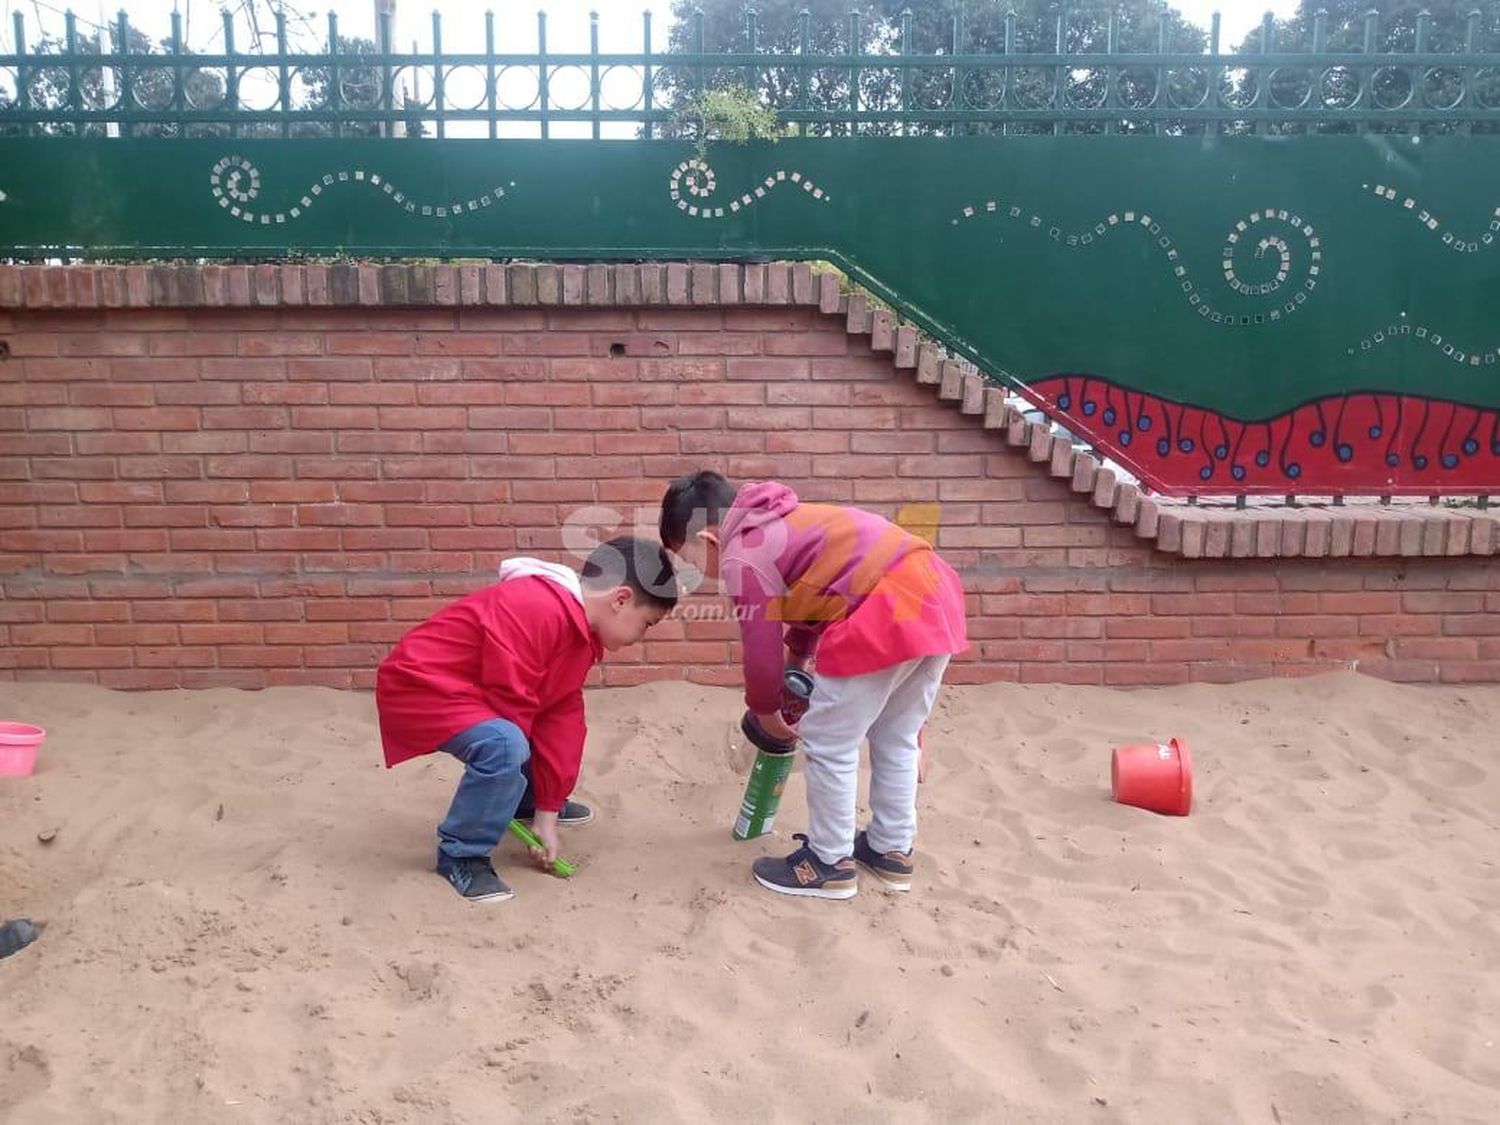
{"x":236,"y":185}
{"x":693,"y":182}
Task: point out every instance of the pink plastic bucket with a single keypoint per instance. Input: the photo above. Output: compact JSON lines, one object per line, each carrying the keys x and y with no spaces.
{"x":19,"y":743}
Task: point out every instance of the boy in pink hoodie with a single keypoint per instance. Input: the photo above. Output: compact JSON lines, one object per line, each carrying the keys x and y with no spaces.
{"x":882,"y":613}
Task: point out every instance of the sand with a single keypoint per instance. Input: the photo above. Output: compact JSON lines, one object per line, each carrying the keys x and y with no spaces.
{"x":244,"y":926}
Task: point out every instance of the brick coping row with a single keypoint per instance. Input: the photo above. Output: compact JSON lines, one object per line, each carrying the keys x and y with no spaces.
{"x":1174,"y":527}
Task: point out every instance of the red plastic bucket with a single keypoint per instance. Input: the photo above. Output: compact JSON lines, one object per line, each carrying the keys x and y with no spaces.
{"x":19,"y":743}
{"x":1154,"y":776}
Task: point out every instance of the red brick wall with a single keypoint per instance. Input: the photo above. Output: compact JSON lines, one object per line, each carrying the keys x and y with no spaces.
{"x":246,"y":497}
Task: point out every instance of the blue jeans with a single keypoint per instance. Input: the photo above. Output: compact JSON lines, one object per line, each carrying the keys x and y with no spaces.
{"x":495,"y":755}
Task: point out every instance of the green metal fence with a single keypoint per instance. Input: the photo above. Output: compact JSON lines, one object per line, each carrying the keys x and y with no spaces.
{"x":1064,"y":77}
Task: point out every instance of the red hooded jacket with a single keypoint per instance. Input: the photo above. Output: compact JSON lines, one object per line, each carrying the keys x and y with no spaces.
{"x":517,"y":650}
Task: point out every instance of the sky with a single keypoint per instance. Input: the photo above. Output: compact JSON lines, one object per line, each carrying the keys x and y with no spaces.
{"x":463,"y":20}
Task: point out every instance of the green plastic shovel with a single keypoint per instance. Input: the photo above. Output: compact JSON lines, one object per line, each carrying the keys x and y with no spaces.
{"x":560,"y":867}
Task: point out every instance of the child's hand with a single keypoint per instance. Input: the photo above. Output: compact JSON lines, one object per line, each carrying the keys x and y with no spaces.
{"x":774,"y":725}
{"x":544,"y":828}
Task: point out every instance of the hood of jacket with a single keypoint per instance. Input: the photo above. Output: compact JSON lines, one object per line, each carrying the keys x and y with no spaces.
{"x":561,"y":575}
{"x":755,"y":505}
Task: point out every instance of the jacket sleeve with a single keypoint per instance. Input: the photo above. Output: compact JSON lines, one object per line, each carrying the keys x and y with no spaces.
{"x":557,"y":739}
{"x":801,"y":640}
{"x":761,"y":636}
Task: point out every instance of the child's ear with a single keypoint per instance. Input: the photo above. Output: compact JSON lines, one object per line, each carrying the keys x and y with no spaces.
{"x":710,"y":535}
{"x":622,"y":597}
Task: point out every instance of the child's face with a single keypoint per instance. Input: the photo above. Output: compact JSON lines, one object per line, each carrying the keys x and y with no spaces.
{"x":622,"y":619}
{"x":701,"y":552}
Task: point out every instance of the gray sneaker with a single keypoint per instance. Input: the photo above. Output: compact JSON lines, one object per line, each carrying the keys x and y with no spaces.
{"x":572,"y":814}
{"x":803,"y":873}
{"x":893,"y":869}
{"x":18,"y":934}
{"x":474,"y":877}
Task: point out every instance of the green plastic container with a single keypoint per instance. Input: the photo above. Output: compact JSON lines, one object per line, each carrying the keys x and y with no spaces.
{"x":763,"y":793}
{"x":773,"y":760}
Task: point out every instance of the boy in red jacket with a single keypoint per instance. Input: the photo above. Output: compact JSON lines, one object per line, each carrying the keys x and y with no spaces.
{"x":884,"y":615}
{"x":496,"y":680}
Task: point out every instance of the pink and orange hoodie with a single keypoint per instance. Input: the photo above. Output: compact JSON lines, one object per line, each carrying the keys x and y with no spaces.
{"x":863,"y":592}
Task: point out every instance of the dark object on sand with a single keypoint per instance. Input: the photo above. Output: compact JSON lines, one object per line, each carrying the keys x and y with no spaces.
{"x":18,"y":934}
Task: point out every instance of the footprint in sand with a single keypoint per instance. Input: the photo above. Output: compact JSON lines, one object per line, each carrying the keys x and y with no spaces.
{"x":1358,"y":851}
{"x":1298,"y":887}
{"x":1034,"y":725}
{"x":1448,"y":773}
{"x":1461,"y":1042}
{"x":1307,"y":1096}
{"x":1387,"y":735}
{"x":24,"y":1073}
{"x":1380,"y":997}
{"x":420,"y":981}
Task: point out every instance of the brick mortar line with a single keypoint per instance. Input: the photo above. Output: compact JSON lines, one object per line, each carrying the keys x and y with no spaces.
{"x":1188,"y":532}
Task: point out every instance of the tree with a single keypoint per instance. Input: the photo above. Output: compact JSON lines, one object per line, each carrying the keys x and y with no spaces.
{"x":723,"y":26}
{"x":49,"y":84}
{"x":153,"y":87}
{"x":1395,"y":28}
{"x":359,"y":85}
{"x":302,"y":29}
{"x":938,"y":27}
{"x":1139,"y":27}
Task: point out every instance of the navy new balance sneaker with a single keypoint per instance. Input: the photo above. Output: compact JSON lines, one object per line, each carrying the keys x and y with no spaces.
{"x":573,"y":814}
{"x":17,"y":934}
{"x":893,"y":869}
{"x":474,"y":877}
{"x":803,"y":873}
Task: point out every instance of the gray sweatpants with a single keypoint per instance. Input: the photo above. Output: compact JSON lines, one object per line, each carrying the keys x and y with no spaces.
{"x":889,"y":708}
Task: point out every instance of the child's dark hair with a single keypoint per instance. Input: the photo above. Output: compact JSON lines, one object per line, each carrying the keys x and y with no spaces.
{"x":692,"y":503}
{"x":642,"y":565}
